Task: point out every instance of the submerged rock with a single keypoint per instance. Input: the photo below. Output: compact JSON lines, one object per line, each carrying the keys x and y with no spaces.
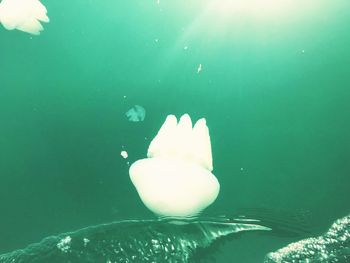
{"x":166,"y":240}
{"x":333,"y":246}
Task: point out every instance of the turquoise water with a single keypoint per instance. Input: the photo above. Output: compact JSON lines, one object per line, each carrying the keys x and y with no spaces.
{"x":273,"y":88}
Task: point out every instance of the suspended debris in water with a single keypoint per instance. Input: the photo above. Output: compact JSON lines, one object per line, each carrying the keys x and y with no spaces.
{"x":199,"y":69}
{"x":136,"y":113}
{"x":124,"y":154}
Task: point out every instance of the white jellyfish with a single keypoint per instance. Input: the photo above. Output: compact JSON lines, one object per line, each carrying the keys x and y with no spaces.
{"x":136,"y":113}
{"x":24,"y":15}
{"x":176,"y":178}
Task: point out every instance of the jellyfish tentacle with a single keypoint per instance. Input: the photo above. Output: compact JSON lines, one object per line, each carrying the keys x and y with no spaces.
{"x":202,"y":144}
{"x":163,"y":144}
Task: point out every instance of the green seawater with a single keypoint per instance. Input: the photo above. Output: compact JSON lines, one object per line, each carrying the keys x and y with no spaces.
{"x":274,"y":87}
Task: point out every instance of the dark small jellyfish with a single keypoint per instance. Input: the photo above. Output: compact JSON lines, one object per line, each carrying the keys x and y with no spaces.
{"x":136,"y":113}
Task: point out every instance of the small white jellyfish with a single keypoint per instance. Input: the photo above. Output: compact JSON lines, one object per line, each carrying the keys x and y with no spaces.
{"x":124,"y":154}
{"x":176,"y":178}
{"x":23,"y":15}
{"x":136,"y":113}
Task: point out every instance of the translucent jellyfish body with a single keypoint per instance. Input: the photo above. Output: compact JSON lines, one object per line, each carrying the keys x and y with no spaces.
{"x":176,"y":178}
{"x":24,"y":15}
{"x":136,"y":113}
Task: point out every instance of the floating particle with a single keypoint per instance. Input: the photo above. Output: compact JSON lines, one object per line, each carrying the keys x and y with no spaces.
{"x":199,"y":69}
{"x":124,"y":154}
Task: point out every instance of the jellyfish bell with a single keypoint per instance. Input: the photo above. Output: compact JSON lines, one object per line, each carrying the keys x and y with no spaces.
{"x":24,"y":15}
{"x":176,"y":178}
{"x":173,"y":187}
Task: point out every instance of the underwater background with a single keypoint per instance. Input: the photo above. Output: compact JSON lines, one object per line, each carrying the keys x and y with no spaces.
{"x":273,"y":86}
